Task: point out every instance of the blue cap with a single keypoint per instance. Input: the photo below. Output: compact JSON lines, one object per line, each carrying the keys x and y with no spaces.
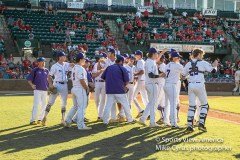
{"x":111,"y":50}
{"x":41,"y":59}
{"x":80,"y":56}
{"x":120,"y":58}
{"x":152,"y":50}
{"x":125,"y":55}
{"x":103,"y":55}
{"x":131,"y":57}
{"x":138,"y":52}
{"x":60,"y":54}
{"x":175,"y":54}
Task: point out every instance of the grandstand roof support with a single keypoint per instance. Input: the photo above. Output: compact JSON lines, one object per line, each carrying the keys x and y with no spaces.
{"x":205,"y":4}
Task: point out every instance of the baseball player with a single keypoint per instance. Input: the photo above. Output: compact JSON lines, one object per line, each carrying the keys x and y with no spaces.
{"x":140,"y":84}
{"x":161,"y":95}
{"x":38,"y":80}
{"x":116,"y":78}
{"x":100,"y":92}
{"x":196,"y":88}
{"x":80,"y":93}
{"x":151,"y":75}
{"x":173,"y":72}
{"x":237,"y":81}
{"x":59,"y":71}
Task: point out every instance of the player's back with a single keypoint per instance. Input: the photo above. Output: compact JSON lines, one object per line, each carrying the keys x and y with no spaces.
{"x":78,"y":73}
{"x":173,"y":72}
{"x":197,"y":74}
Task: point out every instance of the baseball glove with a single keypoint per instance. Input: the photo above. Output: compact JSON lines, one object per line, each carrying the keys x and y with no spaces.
{"x":52,"y":90}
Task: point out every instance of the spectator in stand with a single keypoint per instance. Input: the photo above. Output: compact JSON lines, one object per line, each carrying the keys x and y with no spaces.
{"x":139,"y":14}
{"x":119,"y":21}
{"x":10,"y":21}
{"x":28,"y":7}
{"x":31,"y":36}
{"x":146,"y":14}
{"x":26,"y":63}
{"x":50,"y":8}
{"x":184,"y":14}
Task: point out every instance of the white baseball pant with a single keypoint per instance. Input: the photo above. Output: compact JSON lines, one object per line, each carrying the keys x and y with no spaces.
{"x":237,"y":87}
{"x":140,"y":87}
{"x":171,"y":99}
{"x":197,"y":90}
{"x":152,"y":91}
{"x":114,"y":98}
{"x":80,"y":100}
{"x":62,"y":90}
{"x":100,"y":97}
{"x":39,"y":99}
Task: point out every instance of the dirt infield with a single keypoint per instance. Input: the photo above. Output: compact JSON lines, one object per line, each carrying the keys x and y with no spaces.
{"x":223,"y":115}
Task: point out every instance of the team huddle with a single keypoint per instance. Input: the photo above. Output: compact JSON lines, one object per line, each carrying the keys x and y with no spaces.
{"x":117,"y":82}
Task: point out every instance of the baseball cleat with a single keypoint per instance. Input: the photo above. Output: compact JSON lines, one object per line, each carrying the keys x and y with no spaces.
{"x":67,"y":125}
{"x":141,"y":122}
{"x":175,"y":127}
{"x":39,"y":122}
{"x":44,"y":121}
{"x":86,"y":120}
{"x":202,"y":127}
{"x":160,"y":121}
{"x":140,"y":114}
{"x":33,"y":123}
{"x":113,"y":121}
{"x":121,"y":119}
{"x":154,"y":125}
{"x":85,"y":128}
{"x":148,"y":118}
{"x":189,"y":129}
{"x":166,"y":125}
{"x":132,"y":122}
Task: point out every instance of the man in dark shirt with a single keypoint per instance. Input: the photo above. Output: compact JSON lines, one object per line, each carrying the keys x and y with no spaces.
{"x":38,"y":80}
{"x":116,"y":78}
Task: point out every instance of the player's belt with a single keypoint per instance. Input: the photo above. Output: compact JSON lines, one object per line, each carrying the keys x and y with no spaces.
{"x":61,"y":82}
{"x":194,"y":82}
{"x":99,"y":81}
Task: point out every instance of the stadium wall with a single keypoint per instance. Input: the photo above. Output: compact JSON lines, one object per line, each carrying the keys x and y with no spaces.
{"x":22,"y":85}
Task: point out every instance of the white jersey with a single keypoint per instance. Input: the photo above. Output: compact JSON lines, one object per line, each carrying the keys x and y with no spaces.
{"x":237,"y":75}
{"x":60,"y":71}
{"x":151,"y":67}
{"x":78,"y":73}
{"x":108,"y":63}
{"x":161,"y":68}
{"x":173,"y":72}
{"x":130,"y":70}
{"x":140,"y":66}
{"x":95,"y":70}
{"x":202,"y":66}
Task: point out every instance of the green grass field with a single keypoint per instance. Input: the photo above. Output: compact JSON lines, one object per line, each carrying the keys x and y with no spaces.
{"x":19,"y":141}
{"x":229,"y":104}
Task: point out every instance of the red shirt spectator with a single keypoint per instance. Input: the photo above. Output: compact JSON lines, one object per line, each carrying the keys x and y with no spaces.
{"x":157,"y":36}
{"x":89,"y":15}
{"x":52,"y":29}
{"x":146,"y":14}
{"x":28,"y":27}
{"x":74,"y":26}
{"x":26,"y":63}
{"x":139,"y":36}
{"x":164,"y":35}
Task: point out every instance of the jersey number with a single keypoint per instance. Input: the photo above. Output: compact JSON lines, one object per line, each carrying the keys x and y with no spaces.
{"x":194,"y":73}
{"x":168,"y":71}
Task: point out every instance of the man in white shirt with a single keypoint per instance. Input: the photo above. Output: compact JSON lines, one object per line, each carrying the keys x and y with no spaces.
{"x":173,"y":72}
{"x":80,"y":93}
{"x":196,"y":88}
{"x":138,"y":14}
{"x":151,"y":81}
{"x":59,"y":71}
{"x":100,"y":92}
{"x":140,"y":84}
{"x":237,"y":80}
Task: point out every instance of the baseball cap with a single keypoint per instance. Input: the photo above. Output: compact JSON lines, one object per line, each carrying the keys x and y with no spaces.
{"x":120,"y":58}
{"x":152,"y":50}
{"x":80,"y":55}
{"x":111,"y":50}
{"x":131,"y":57}
{"x":125,"y":55}
{"x":60,"y":54}
{"x":103,"y":55}
{"x":175,"y":54}
{"x":139,"y":52}
{"x":41,"y":59}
